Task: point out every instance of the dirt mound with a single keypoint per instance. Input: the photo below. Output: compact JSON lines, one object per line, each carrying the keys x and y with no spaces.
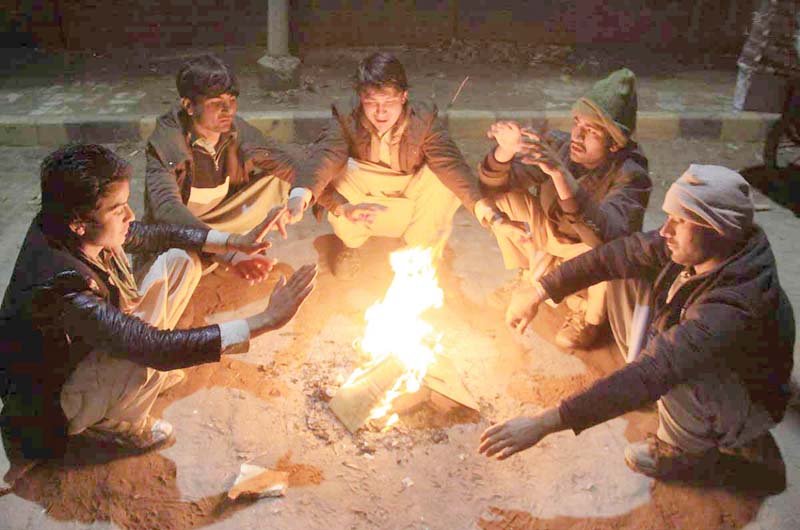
{"x":299,"y":474}
{"x":134,"y":493}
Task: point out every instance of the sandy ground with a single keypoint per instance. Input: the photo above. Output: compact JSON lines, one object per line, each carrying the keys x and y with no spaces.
{"x":267,"y":405}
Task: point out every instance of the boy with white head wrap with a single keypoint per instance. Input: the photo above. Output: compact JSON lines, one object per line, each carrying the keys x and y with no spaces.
{"x":717,"y":348}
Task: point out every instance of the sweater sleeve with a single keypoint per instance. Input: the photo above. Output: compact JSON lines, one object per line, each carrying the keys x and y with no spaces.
{"x":328,"y":160}
{"x":498,"y":177}
{"x":700,"y":343}
{"x":163,"y":195}
{"x":641,"y":255}
{"x":446,"y":161}
{"x":265,"y":155}
{"x":93,"y":321}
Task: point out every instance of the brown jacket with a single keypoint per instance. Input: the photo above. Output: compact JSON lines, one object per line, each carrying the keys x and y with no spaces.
{"x":422,"y":139}
{"x":170,"y":167}
{"x":610,"y":201}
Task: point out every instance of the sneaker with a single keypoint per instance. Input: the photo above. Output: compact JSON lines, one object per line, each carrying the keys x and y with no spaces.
{"x":576,"y":332}
{"x":658,"y":459}
{"x":155,"y":433}
{"x":347,"y":263}
{"x":172,"y":379}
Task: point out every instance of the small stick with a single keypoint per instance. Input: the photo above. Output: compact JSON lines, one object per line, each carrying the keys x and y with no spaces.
{"x":460,"y":87}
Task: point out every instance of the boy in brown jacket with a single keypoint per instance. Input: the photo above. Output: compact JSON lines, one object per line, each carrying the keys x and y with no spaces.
{"x":386,"y":168}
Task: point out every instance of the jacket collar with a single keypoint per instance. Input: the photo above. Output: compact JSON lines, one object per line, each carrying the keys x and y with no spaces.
{"x":173,"y":136}
{"x":753,"y":263}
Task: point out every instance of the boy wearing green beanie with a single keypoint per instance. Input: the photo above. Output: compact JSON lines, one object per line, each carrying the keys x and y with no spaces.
{"x":564,"y":194}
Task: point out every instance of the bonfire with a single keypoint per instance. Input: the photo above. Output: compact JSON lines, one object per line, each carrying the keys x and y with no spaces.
{"x":401,"y":346}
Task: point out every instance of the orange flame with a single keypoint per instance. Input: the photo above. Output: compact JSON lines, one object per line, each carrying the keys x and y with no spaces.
{"x":395,"y":325}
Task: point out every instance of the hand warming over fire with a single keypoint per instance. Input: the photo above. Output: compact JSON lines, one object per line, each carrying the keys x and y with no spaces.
{"x":286,"y":299}
{"x":518,"y":434}
{"x":508,"y":135}
{"x":524,"y":305}
{"x":252,"y":241}
{"x":537,"y":152}
{"x":246,"y":256}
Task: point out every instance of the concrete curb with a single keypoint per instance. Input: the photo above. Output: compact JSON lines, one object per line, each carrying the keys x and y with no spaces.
{"x":306,"y":125}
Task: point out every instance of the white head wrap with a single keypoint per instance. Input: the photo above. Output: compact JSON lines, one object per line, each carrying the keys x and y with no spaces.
{"x":712,"y":196}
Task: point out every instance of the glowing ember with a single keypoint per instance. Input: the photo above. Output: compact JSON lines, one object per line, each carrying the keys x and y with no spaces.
{"x":395,"y":326}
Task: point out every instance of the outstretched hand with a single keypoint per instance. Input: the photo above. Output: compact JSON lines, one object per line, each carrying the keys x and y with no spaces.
{"x":285,"y":300}
{"x":248,"y":260}
{"x":518,"y":434}
{"x":508,"y":135}
{"x":536,"y":153}
{"x":254,"y":268}
{"x":253,"y":242}
{"x":523,"y":308}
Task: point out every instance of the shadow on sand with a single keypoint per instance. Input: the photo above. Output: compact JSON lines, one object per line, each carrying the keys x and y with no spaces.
{"x":727,"y":495}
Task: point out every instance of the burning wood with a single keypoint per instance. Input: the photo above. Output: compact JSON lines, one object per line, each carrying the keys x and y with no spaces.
{"x":404,"y":349}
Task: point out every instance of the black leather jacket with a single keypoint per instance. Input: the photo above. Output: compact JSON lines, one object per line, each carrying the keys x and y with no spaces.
{"x":57,"y":308}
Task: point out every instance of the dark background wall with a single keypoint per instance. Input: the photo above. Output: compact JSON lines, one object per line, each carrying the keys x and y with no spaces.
{"x":100,"y":25}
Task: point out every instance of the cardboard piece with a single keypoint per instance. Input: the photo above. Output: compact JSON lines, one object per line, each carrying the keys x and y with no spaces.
{"x":256,"y":481}
{"x":442,"y":377}
{"x":352,"y":404}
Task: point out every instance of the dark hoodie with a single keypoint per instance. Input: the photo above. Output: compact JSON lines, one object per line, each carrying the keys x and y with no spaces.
{"x":733,"y":318}
{"x":610,"y":201}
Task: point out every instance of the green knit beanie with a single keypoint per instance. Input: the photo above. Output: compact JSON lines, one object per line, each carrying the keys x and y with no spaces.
{"x":615,"y":97}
